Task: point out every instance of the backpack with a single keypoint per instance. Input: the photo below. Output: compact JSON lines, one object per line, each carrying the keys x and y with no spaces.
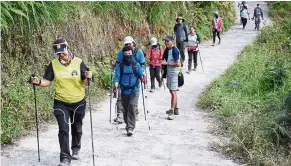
{"x":134,"y":72}
{"x":157,"y":53}
{"x":258,"y":11}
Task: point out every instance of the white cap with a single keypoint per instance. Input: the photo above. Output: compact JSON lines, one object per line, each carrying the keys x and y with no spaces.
{"x":128,"y":39}
{"x":154,"y":41}
{"x":216,"y":12}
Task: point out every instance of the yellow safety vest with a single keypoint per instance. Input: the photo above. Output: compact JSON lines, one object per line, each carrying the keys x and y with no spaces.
{"x":68,"y":84}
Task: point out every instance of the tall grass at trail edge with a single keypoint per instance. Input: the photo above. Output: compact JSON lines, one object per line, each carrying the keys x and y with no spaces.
{"x":253,"y":97}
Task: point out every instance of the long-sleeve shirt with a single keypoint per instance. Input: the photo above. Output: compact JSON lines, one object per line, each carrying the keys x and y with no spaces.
{"x":180,"y":32}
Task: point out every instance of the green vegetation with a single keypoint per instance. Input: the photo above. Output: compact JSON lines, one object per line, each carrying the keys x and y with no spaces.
{"x":94,"y":31}
{"x":253,"y":97}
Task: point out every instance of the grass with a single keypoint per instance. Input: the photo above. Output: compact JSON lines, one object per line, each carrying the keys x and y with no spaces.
{"x":253,"y":96}
{"x":94,"y":31}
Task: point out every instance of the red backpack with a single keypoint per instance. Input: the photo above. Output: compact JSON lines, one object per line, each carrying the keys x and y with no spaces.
{"x":155,"y":55}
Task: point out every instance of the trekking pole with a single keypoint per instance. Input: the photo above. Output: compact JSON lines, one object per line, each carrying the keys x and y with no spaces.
{"x":200,"y":60}
{"x":111,"y":86}
{"x":36,"y":118}
{"x":144,"y":109}
{"x":145,"y":70}
{"x":91,"y":119}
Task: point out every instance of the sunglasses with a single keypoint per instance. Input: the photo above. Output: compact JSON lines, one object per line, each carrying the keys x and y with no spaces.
{"x":59,"y":46}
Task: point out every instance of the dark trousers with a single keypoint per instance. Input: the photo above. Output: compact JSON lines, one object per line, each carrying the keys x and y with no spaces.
{"x":192,"y":56}
{"x":181,"y":47}
{"x":155,"y":73}
{"x":244,"y":22}
{"x":129,"y":103}
{"x":63,"y":112}
{"x":214,"y":35}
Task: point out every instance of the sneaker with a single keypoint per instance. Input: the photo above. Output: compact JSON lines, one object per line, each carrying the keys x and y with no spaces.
{"x":219,"y":42}
{"x":171,"y":115}
{"x":65,"y":162}
{"x":195,"y":68}
{"x":212,"y":44}
{"x":129,"y":132}
{"x":152,"y":90}
{"x":176,"y":111}
{"x":118,"y":119}
{"x":189,"y":71}
{"x":75,"y":155}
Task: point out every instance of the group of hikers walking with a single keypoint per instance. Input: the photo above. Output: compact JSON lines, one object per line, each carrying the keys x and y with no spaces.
{"x":245,"y":15}
{"x":70,"y":74}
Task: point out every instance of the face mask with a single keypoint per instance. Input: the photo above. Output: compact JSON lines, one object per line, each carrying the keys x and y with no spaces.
{"x":126,"y":57}
{"x":70,"y":57}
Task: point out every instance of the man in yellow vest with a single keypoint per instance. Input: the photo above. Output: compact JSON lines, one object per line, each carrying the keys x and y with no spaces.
{"x":70,"y":74}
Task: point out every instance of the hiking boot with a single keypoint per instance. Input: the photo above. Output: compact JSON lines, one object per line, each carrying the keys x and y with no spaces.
{"x":176,"y":111}
{"x":65,"y":162}
{"x":171,"y":115}
{"x":129,"y":132}
{"x":75,"y":155}
{"x":169,"y":111}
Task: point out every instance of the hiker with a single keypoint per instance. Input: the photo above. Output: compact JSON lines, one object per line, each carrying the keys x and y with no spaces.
{"x":245,"y":15}
{"x":138,"y":56}
{"x":216,"y":27}
{"x":127,"y":75}
{"x":193,"y":41}
{"x":70,"y":74}
{"x":154,"y":54}
{"x":258,"y":13}
{"x":180,"y":30}
{"x":241,"y":7}
{"x":171,"y":59}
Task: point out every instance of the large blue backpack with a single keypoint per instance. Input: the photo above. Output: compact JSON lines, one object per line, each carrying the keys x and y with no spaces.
{"x":131,"y":85}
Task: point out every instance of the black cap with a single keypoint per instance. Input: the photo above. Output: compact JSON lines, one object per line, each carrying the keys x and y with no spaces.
{"x":168,"y":38}
{"x":60,"y":45}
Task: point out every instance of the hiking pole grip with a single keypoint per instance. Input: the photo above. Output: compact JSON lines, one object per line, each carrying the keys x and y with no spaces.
{"x":89,"y":79}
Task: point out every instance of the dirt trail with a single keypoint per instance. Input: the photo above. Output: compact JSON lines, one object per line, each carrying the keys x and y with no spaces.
{"x":183,"y":141}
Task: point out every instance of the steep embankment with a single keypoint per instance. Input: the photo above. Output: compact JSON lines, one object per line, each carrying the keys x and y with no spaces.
{"x":94,"y":31}
{"x":253,"y":96}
